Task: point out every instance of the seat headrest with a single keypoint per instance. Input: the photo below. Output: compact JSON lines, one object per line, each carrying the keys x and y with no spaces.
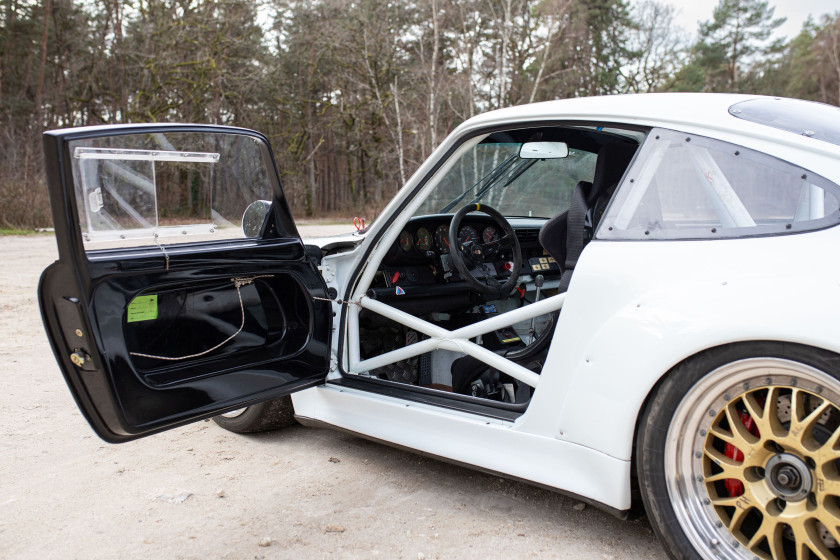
{"x":611,"y":164}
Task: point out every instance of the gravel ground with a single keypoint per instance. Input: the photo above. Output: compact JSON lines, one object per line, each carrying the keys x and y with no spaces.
{"x":202,"y":492}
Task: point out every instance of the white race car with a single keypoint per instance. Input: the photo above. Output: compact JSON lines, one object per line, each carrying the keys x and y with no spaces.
{"x":597,"y":295}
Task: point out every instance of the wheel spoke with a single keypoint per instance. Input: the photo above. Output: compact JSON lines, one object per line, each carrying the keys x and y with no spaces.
{"x":729,"y":471}
{"x":757,"y":412}
{"x":726,"y":437}
{"x":725,"y":501}
{"x":832,"y":442}
{"x":770,"y":531}
{"x":738,"y":517}
{"x":766,"y":416}
{"x":830,"y":486}
{"x":833,"y":529}
{"x":801,"y":429}
{"x":803,"y":551}
{"x":736,"y":426}
{"x":721,"y":459}
{"x":807,"y":539}
{"x":777,"y":550}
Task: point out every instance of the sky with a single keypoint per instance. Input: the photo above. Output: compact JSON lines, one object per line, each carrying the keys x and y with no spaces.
{"x":689,"y":12}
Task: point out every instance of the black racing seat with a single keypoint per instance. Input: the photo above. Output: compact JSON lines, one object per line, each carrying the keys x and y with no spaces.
{"x":565,"y":235}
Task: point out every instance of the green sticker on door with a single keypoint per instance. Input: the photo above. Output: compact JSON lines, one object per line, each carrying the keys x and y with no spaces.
{"x":142,"y":308}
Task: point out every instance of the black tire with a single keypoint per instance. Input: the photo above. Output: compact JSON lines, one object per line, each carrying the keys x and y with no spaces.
{"x":694,"y":510}
{"x":262,"y":417}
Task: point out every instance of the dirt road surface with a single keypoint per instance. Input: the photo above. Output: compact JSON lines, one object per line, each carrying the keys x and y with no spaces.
{"x":201,"y":492}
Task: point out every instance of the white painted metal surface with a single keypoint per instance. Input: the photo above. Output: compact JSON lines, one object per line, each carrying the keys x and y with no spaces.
{"x":633,"y":311}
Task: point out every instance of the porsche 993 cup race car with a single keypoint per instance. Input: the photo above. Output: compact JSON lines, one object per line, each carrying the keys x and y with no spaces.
{"x":597,"y":295}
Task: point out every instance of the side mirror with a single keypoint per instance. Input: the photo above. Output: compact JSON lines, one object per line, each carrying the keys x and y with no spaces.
{"x":544,"y":150}
{"x":254,"y":217}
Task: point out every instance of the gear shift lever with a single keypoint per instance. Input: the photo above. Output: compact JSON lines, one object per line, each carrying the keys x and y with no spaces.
{"x":538,"y":282}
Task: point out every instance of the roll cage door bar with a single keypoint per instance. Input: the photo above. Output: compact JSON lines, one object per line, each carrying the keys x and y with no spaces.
{"x":440,"y":338}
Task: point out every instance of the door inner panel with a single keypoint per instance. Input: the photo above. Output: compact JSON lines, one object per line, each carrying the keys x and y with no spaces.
{"x":170,"y":327}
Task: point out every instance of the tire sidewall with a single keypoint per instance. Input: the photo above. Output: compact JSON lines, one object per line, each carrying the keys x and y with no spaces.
{"x":261,"y":417}
{"x":657,"y":416}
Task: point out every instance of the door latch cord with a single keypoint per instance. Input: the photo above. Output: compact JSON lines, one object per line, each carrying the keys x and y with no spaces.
{"x":238,"y":283}
{"x":339,"y":301}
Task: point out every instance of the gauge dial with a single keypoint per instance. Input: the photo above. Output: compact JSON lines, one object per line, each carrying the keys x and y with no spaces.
{"x":490,"y":234}
{"x":424,"y":240}
{"x":406,"y":241}
{"x":442,"y":239}
{"x":467,"y":234}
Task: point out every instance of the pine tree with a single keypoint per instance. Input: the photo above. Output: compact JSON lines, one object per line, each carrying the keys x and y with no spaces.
{"x":737,"y":37}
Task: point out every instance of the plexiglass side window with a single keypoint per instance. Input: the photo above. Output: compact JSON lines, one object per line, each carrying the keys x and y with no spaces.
{"x":167,"y":187}
{"x":691,"y":187}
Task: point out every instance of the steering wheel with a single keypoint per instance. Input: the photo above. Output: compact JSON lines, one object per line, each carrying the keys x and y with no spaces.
{"x":473,"y":253}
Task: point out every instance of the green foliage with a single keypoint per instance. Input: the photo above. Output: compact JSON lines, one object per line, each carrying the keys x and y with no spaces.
{"x":354,"y":96}
{"x":739,"y":34}
{"x":809,"y":66}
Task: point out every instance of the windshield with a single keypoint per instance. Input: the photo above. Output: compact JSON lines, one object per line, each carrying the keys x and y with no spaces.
{"x":492,"y":173}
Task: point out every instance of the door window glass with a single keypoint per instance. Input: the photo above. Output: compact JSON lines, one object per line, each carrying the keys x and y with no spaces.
{"x":166,"y":187}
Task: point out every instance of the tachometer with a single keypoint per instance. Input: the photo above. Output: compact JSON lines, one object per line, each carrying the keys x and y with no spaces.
{"x":406,"y":241}
{"x":424,"y":240}
{"x":490,"y":234}
{"x":442,"y":239}
{"x":467,"y":234}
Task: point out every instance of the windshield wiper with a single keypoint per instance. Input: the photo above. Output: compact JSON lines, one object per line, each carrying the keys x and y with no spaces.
{"x":489,"y":179}
{"x":515,"y":173}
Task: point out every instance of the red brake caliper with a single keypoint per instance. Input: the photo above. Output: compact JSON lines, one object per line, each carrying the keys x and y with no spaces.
{"x":733,"y":485}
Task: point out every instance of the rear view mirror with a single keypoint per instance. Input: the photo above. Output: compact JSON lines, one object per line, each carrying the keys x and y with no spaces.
{"x":254,"y":217}
{"x":544,"y":150}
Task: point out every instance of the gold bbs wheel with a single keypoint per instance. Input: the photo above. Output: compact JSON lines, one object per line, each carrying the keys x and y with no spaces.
{"x":750,"y":461}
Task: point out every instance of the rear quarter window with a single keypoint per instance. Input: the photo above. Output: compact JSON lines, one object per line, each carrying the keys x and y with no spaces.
{"x":686,"y":186}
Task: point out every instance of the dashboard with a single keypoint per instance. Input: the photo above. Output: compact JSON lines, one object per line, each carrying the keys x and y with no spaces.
{"x":419,"y":265}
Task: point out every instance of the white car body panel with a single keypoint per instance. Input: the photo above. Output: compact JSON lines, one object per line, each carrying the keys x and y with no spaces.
{"x":634,"y":310}
{"x":496,"y":445}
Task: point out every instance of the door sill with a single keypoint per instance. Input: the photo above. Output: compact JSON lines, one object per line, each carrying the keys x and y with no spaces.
{"x":434,"y":397}
{"x":312,"y":423}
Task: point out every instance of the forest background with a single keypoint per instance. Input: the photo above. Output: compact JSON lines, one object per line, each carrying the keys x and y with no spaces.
{"x":355,"y":95}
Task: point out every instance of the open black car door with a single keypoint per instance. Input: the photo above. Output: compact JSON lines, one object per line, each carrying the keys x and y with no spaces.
{"x":160,"y":309}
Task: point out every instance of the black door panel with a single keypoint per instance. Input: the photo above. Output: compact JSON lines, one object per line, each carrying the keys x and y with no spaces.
{"x":148,"y":336}
{"x":284,"y":341}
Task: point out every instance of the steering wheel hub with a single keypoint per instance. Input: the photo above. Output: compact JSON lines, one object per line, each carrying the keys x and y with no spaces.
{"x":474,"y":253}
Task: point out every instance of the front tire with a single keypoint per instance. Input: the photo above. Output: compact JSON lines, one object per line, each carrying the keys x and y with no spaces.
{"x":738,"y":454}
{"x":262,"y":417}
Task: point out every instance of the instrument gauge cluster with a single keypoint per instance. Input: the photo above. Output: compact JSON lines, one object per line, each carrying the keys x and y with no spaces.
{"x":434,"y":236}
{"x":490,"y":234}
{"x":406,"y":241}
{"x":423,"y":240}
{"x":468,"y":234}
{"x":442,"y":239}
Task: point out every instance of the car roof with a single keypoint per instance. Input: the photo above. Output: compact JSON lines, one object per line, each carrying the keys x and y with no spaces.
{"x":693,"y":112}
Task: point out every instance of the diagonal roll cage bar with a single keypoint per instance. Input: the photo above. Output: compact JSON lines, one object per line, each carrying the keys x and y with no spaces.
{"x":442,"y":339}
